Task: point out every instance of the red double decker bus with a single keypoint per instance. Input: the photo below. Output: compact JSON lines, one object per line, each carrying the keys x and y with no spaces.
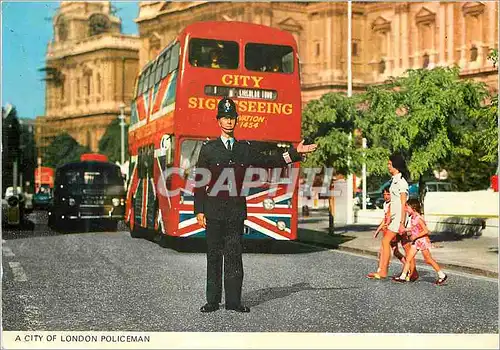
{"x":174,"y":112}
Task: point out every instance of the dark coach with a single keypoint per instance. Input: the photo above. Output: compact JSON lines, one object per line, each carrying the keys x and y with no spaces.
{"x":223,"y":215}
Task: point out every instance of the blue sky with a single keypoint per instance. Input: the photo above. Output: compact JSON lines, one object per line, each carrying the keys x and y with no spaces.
{"x":26,"y":31}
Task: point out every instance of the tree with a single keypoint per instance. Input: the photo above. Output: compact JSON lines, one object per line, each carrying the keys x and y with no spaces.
{"x":110,"y":143}
{"x":493,"y":56}
{"x":427,"y":115}
{"x":27,"y":161}
{"x":62,"y":150}
{"x":328,"y":122}
{"x":10,"y":143}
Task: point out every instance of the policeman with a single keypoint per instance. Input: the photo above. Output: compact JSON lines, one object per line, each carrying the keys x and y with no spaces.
{"x":222,"y":212}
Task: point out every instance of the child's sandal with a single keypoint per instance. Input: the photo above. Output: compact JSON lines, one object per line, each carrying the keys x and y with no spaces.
{"x":399,"y":279}
{"x":441,"y":281}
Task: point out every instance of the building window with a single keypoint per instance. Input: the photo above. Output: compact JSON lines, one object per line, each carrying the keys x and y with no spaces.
{"x":62,"y":29}
{"x":98,"y":23}
{"x":87,"y":83}
{"x":381,"y":66}
{"x":98,"y":83}
{"x":355,"y":49}
{"x":473,"y":54}
{"x":425,"y":62}
{"x":318,"y":49}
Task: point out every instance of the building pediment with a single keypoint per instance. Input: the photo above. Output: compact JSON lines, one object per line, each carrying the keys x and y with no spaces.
{"x":473,"y":8}
{"x":381,"y":25}
{"x":425,"y":16}
{"x":290,"y":24}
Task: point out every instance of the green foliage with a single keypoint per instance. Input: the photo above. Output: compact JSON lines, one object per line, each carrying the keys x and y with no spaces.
{"x":110,"y":143}
{"x":10,"y":145}
{"x":426,"y":115}
{"x":328,"y":122}
{"x":27,"y":160}
{"x":493,"y":56}
{"x":434,"y":118}
{"x":62,"y":150}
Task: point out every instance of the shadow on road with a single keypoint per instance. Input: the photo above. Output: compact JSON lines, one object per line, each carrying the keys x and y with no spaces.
{"x":322,"y":239}
{"x":24,"y":230}
{"x":198,"y":245}
{"x":260,"y":296}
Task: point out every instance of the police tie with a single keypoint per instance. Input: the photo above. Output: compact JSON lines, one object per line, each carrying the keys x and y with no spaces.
{"x":229,"y":145}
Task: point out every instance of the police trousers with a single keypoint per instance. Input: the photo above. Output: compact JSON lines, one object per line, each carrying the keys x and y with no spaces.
{"x":224,"y":249}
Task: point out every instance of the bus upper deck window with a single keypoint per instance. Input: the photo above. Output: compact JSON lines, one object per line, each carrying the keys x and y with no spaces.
{"x":209,"y":53}
{"x":269,"y":58}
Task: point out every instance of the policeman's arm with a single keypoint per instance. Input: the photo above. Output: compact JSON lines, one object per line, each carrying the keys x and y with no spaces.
{"x":258,"y":159}
{"x":200,"y":193}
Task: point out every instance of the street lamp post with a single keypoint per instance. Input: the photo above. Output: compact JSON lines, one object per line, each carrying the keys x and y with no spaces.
{"x":122,"y":126}
{"x":364,"y":173}
{"x":350,"y":189}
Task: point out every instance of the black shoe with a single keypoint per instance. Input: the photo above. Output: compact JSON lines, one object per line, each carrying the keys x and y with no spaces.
{"x":209,"y":307}
{"x":239,"y":308}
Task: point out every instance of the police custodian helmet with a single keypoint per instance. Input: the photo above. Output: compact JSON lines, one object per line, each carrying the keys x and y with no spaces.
{"x":226,"y":108}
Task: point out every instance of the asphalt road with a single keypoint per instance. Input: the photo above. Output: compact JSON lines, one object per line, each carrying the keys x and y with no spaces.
{"x":108,"y":281}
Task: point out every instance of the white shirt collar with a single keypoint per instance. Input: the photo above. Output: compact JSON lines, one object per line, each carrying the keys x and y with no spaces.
{"x":224,"y":140}
{"x":397,"y":176}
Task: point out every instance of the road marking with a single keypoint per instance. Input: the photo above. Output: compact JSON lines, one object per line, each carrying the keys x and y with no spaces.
{"x":31,"y":313}
{"x":6,"y":251}
{"x":18,"y":271}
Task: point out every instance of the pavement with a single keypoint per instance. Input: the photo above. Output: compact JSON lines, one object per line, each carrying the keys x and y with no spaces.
{"x":471,"y":254}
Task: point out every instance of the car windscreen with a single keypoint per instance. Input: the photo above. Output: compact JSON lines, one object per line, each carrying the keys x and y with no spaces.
{"x":91,"y":176}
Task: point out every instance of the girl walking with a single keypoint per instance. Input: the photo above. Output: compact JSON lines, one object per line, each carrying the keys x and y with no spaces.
{"x":420,"y":242}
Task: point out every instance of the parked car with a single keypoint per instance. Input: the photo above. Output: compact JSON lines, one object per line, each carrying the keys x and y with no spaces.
{"x":358,"y":201}
{"x":376,"y":197}
{"x":42,"y":199}
{"x":13,"y":206}
{"x":430,"y":186}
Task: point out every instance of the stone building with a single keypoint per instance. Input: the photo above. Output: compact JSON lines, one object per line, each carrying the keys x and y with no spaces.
{"x":388,"y":38}
{"x":90,"y":71}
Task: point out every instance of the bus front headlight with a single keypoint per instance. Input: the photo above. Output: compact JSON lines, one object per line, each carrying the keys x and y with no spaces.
{"x":268,"y":204}
{"x":116,"y":202}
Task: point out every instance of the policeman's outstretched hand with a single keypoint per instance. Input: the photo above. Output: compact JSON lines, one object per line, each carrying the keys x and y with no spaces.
{"x":301,"y":148}
{"x":202,"y":221}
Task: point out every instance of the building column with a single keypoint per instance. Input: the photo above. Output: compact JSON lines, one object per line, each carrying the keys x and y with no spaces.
{"x":328,"y":46}
{"x":462,"y":49}
{"x":442,"y":34}
{"x":450,"y":34}
{"x":416,"y":46}
{"x":390,"y":57}
{"x":404,"y":39}
{"x":397,"y":42}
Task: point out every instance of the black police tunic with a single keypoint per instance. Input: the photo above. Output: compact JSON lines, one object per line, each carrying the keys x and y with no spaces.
{"x":215,"y":157}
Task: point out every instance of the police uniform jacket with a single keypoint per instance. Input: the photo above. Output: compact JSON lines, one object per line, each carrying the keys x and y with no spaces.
{"x":215,"y":157}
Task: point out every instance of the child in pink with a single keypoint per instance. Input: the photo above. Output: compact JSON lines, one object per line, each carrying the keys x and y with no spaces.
{"x":420,"y":242}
